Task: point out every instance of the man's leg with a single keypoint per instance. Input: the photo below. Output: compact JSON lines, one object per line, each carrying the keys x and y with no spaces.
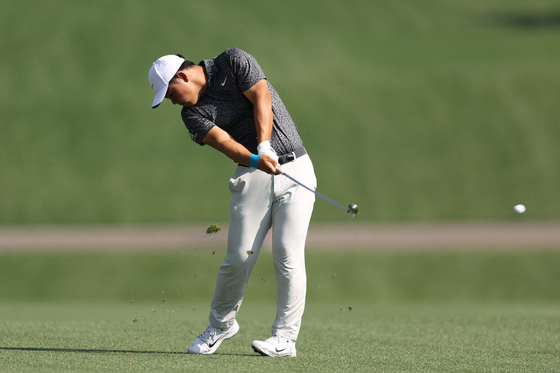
{"x":291,"y":215}
{"x":250,"y":220}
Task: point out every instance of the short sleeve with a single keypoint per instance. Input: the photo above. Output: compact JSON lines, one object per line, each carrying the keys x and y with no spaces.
{"x":198,"y":125}
{"x":245,"y":68}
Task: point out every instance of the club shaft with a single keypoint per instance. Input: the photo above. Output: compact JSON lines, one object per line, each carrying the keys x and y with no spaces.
{"x":317,"y":193}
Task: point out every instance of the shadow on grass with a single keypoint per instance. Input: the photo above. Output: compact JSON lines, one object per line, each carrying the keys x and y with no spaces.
{"x":550,"y":19}
{"x":80,"y":350}
{"x":89,"y":351}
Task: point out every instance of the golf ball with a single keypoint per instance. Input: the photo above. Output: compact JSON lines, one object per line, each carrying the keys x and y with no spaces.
{"x":520,"y":209}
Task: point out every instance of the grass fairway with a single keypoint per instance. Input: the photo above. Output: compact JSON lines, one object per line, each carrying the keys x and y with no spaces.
{"x":413,"y":337}
{"x":367,"y":311}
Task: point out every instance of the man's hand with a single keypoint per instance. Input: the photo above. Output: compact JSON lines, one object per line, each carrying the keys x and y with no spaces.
{"x":268,"y":164}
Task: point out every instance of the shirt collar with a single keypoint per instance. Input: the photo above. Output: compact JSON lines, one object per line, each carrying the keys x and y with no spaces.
{"x":209,"y":69}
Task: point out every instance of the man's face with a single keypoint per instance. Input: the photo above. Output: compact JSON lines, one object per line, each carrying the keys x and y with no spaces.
{"x":183,"y":91}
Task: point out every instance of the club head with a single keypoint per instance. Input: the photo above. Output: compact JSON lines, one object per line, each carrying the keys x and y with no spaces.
{"x":353,"y":209}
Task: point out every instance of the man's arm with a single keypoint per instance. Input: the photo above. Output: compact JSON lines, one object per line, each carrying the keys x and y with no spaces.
{"x":220,"y":140}
{"x":259,"y":95}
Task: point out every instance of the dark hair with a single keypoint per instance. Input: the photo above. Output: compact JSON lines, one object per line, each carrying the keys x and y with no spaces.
{"x":185,"y":65}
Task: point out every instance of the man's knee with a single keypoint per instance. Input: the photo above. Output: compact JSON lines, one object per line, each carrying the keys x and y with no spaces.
{"x":239,"y":262}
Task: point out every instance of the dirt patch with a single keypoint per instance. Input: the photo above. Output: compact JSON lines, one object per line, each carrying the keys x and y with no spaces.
{"x":441,"y":236}
{"x":347,"y":236}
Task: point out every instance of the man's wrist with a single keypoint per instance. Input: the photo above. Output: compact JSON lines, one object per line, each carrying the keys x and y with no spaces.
{"x":265,"y":148}
{"x":254,"y":160}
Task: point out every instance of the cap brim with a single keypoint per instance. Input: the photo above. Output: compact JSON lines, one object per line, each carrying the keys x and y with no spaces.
{"x":159,"y":97}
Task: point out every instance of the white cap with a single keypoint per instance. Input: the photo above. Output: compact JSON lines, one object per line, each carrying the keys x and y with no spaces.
{"x":161,"y":72}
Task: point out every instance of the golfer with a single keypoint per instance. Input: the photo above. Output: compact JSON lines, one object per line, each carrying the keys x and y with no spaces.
{"x":229,"y":105}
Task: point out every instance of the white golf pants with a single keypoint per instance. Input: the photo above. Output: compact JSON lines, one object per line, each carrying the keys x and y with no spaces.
{"x":260,"y":201}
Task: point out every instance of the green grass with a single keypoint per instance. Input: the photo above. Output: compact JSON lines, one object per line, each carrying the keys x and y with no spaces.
{"x":366,"y":311}
{"x":187,"y":275}
{"x":496,"y":337}
{"x":413,"y":110}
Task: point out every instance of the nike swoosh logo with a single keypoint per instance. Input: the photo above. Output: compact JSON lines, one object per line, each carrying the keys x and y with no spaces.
{"x":212,"y":344}
{"x":277,"y":350}
{"x":224,"y":83}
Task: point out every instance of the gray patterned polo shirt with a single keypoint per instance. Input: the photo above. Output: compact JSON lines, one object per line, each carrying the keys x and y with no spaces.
{"x":224,"y":104}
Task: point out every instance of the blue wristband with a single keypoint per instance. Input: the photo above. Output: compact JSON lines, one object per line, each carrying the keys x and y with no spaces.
{"x":254,"y":160}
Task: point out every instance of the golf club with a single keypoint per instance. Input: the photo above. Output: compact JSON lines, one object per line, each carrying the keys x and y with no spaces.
{"x":352,"y":208}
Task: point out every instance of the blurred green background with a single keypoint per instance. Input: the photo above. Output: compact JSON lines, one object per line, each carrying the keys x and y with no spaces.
{"x":369,"y":277}
{"x":426,"y":110}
